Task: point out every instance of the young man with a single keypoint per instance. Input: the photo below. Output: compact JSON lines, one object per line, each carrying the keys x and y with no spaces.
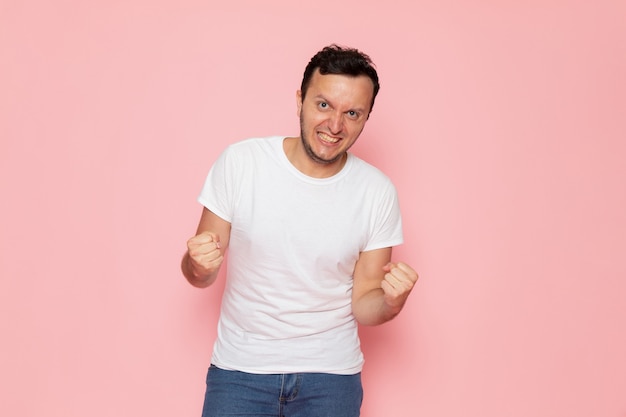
{"x":309,"y":228}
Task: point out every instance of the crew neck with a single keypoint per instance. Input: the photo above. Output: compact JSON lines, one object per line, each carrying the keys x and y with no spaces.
{"x":278,"y":144}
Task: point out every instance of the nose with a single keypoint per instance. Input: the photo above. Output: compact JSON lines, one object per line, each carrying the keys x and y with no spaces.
{"x":335,"y":122}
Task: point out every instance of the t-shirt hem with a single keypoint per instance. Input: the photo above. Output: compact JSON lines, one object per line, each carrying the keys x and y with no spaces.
{"x":382,"y":245}
{"x":215,"y":210}
{"x":270,"y":371}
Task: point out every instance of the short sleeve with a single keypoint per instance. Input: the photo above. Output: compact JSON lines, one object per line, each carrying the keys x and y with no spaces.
{"x":386,"y":221}
{"x":218,"y":193}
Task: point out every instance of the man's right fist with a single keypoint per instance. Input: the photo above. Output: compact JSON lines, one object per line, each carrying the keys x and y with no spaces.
{"x":205,"y":256}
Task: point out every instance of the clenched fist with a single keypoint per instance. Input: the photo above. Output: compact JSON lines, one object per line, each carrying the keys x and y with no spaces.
{"x":205,"y":256}
{"x":398,"y":283}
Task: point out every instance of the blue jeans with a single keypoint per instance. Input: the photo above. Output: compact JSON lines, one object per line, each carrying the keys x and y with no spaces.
{"x":233,"y":393}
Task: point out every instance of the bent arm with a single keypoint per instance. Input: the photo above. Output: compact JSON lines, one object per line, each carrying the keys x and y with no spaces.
{"x":206,"y":250}
{"x":380,"y":288}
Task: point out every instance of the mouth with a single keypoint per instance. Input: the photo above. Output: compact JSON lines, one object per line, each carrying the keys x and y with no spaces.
{"x":326,"y":138}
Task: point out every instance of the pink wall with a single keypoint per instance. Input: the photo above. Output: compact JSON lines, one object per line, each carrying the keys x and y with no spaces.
{"x":502,"y":123}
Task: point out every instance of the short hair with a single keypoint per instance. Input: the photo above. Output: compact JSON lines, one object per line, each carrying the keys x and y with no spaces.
{"x":335,"y":59}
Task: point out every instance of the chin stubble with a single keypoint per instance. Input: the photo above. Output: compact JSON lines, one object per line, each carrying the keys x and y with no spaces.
{"x":311,"y":153}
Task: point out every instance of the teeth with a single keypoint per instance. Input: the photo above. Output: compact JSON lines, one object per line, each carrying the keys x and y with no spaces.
{"x":327,"y":138}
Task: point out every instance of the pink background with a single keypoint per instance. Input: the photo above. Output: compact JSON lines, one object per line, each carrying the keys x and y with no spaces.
{"x":502,"y":124}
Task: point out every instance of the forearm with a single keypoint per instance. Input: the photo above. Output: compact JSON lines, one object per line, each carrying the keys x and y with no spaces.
{"x":371,"y":309}
{"x":199,"y":279}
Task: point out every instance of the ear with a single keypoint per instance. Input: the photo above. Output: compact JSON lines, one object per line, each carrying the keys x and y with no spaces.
{"x":299,"y":102}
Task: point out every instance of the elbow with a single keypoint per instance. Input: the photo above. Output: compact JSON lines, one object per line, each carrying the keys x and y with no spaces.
{"x":374,"y":320}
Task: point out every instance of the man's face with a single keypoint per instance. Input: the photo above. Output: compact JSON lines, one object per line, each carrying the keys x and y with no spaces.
{"x":333,"y":114}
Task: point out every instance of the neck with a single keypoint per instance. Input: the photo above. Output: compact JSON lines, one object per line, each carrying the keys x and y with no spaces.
{"x":297,"y":155}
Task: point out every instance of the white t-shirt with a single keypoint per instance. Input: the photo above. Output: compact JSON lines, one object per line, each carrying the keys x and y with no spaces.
{"x":293,"y":246}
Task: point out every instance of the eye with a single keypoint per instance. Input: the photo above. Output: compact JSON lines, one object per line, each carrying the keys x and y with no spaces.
{"x":323,"y":105}
{"x":353,"y":115}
